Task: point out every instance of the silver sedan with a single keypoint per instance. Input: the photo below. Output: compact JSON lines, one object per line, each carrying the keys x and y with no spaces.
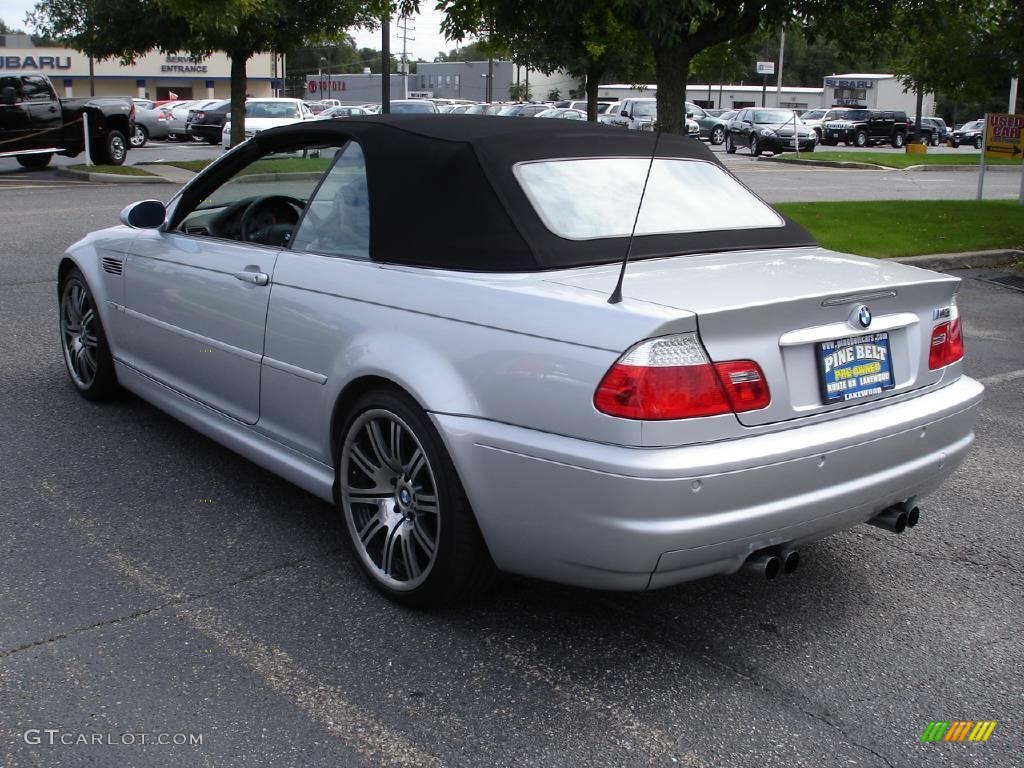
{"x":509,"y":394}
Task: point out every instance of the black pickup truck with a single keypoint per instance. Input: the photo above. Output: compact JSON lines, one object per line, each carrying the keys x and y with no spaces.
{"x":35,"y":125}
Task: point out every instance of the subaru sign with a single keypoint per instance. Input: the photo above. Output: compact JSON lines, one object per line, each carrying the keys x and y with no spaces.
{"x":35,"y":63}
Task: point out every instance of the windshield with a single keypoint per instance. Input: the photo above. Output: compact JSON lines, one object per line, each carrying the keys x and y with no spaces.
{"x":645,"y":109}
{"x":588,"y":198}
{"x":973,"y":125}
{"x":814,"y":114}
{"x":509,"y":111}
{"x":849,"y":114}
{"x":281,"y":109}
{"x":774,"y":116}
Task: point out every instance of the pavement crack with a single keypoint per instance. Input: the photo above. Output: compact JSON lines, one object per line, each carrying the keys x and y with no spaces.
{"x":180,"y":601}
{"x":729,"y":668}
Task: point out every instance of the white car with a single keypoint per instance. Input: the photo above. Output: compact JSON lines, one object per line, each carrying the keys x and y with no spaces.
{"x":261,"y":114}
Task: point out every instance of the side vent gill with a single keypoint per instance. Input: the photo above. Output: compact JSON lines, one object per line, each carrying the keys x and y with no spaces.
{"x":112,"y":265}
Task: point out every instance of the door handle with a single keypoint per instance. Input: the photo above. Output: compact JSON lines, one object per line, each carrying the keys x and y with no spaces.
{"x":256,"y":278}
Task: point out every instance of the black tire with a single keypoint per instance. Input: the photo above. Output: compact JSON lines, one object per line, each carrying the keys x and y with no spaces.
{"x":459,"y":566}
{"x":730,"y":145}
{"x":954,"y":144}
{"x":34,"y":161}
{"x":810,"y":148}
{"x":213,"y":140}
{"x":935,"y":140}
{"x":755,"y":147}
{"x":817,"y":133}
{"x":139,"y":136}
{"x":717,"y":135}
{"x":978,"y":142}
{"x":860,"y":139}
{"x":899,"y":139}
{"x":112,"y":149}
{"x":83,"y":341}
{"x":829,"y":142}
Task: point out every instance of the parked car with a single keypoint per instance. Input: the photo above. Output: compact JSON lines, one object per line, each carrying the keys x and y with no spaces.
{"x":865,"y":127}
{"x":563,"y":114}
{"x":816,"y":118}
{"x":458,"y":109}
{"x":261,"y":114}
{"x":177,"y":130}
{"x":640,"y":115}
{"x":316,"y":107}
{"x":750,"y":392}
{"x":413,"y":107}
{"x":477,"y":109}
{"x":206,"y":122}
{"x":522,"y":110}
{"x":144,"y":103}
{"x":771,"y":130}
{"x":971,"y":133}
{"x":346,"y":111}
{"x":35,"y":124}
{"x":602,"y":106}
{"x":933,"y":130}
{"x":149,"y":124}
{"x":711,"y":128}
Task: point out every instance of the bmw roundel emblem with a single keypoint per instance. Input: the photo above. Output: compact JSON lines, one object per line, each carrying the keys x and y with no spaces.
{"x":864,"y":317}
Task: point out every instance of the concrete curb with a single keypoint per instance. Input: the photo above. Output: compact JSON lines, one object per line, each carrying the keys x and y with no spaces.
{"x":967,"y":260}
{"x":873,"y":167}
{"x":110,"y":178}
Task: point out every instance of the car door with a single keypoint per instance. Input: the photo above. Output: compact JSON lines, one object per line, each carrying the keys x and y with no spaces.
{"x":44,"y":113}
{"x":196,"y":298}
{"x":14,"y":118}
{"x":742,"y":127}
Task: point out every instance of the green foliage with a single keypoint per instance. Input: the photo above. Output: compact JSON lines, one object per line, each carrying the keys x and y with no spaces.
{"x":519,"y":92}
{"x":554,"y":95}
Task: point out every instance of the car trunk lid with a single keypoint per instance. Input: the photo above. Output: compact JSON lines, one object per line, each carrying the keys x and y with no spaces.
{"x":775,"y":307}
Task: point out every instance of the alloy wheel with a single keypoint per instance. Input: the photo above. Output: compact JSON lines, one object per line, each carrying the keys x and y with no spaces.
{"x":78,"y":334}
{"x":117,"y":149}
{"x":138,"y":136}
{"x":717,"y":136}
{"x":390,"y":500}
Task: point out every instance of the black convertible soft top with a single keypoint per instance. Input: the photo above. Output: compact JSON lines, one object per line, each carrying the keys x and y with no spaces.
{"x":443,"y":194}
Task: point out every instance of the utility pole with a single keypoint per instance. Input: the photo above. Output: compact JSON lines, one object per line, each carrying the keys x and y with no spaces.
{"x":1013,"y":96}
{"x":490,"y":59}
{"x":385,"y":66}
{"x":782,"y":52}
{"x":403,"y":25}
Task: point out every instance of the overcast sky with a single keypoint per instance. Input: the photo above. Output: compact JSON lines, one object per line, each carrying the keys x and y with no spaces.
{"x":428,"y":42}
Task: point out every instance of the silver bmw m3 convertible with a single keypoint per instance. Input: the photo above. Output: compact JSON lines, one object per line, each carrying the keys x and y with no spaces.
{"x":409,"y":317}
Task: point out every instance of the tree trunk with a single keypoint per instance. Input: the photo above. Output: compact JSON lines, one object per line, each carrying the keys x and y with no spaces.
{"x":593,"y":82}
{"x":672,"y":68}
{"x":239,"y":85}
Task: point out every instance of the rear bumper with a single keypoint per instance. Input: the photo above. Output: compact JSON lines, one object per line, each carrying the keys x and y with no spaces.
{"x":616,"y":517}
{"x":206,"y":132}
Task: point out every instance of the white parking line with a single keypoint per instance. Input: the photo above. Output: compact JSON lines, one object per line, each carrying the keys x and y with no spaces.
{"x":324,"y":703}
{"x":1002,"y":378}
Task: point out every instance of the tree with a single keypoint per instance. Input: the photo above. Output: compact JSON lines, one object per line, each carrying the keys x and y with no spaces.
{"x":678,"y":30}
{"x":126,"y":29}
{"x":581,"y":37}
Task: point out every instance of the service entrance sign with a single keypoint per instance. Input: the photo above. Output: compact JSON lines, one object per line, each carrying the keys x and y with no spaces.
{"x":1004,"y":136}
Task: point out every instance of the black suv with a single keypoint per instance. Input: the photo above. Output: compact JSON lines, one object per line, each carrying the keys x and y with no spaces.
{"x":864,"y":127}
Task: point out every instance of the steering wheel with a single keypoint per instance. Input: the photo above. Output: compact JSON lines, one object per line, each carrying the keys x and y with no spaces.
{"x":268,"y":211}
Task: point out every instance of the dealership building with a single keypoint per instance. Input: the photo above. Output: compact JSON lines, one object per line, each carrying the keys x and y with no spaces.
{"x":154,"y":75}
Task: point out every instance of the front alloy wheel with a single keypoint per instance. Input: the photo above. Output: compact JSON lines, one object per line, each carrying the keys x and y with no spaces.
{"x":730,"y":145}
{"x":755,"y":146}
{"x":717,"y":135}
{"x":406,"y":512}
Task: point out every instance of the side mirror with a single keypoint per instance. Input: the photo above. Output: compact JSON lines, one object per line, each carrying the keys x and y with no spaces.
{"x":145,"y":214}
{"x":8,"y":95}
{"x":624,"y":113}
{"x":689,"y":115}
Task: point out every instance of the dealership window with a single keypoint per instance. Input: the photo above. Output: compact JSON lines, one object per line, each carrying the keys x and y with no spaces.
{"x":844,"y":95}
{"x":456,"y":81}
{"x":447,"y":81}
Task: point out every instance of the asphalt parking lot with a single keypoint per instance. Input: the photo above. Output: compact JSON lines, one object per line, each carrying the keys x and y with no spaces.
{"x":153,"y":583}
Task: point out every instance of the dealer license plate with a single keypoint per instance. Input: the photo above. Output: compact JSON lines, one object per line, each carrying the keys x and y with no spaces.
{"x":855,"y":367}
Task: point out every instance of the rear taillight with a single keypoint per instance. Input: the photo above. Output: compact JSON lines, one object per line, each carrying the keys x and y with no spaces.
{"x":672,"y":378}
{"x":947,"y":345}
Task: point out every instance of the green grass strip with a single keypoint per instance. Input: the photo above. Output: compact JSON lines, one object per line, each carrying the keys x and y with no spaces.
{"x":117,"y":170}
{"x":890,"y":228}
{"x":902,"y":159}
